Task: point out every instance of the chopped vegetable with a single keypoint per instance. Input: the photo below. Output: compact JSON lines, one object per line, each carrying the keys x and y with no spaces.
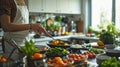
{"x":57,"y":51}
{"x":96,"y":51}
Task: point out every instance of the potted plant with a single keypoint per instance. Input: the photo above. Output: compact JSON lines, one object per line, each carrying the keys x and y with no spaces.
{"x":108,"y":36}
{"x":90,"y":30}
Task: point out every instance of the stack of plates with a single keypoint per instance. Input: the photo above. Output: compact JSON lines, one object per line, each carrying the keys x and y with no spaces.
{"x":101,"y":57}
{"x":113,"y":52}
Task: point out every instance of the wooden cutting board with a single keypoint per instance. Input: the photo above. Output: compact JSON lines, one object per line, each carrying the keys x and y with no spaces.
{"x":49,"y":21}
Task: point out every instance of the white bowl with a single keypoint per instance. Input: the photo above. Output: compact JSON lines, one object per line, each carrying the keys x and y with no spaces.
{"x":109,"y":46}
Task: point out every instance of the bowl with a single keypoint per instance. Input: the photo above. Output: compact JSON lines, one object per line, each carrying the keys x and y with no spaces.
{"x":57,"y":51}
{"x":35,"y":62}
{"x":113,"y":52}
{"x":59,"y":43}
{"x":77,"y":47}
{"x":101,"y":57}
{"x":42,"y":49}
{"x":109,"y":46}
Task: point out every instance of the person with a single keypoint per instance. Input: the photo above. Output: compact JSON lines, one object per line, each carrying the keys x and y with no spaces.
{"x":14,"y":20}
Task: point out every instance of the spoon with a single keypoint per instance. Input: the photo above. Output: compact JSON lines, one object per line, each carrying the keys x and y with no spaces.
{"x":49,"y":35}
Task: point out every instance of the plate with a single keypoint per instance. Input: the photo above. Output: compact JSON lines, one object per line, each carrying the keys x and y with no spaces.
{"x":50,"y":44}
{"x":112,"y":52}
{"x":53,"y":52}
{"x":101,"y":57}
{"x":42,"y":49}
{"x":78,"y":47}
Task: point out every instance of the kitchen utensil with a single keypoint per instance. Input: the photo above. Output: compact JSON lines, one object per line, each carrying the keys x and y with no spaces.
{"x":49,"y":35}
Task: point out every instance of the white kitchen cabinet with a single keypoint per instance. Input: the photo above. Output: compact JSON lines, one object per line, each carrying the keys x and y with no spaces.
{"x":51,"y":6}
{"x":68,"y":6}
{"x":62,"y":6}
{"x":75,"y":6}
{"x":55,"y":6}
{"x":37,"y":5}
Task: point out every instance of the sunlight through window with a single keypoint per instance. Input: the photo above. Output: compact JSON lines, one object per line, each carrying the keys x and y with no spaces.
{"x":101,"y":13}
{"x":117,"y":14}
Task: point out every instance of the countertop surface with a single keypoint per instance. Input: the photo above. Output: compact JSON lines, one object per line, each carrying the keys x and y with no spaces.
{"x":78,"y":36}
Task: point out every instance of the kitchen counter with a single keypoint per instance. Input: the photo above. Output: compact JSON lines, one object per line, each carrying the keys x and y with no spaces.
{"x":84,"y":38}
{"x":44,"y":39}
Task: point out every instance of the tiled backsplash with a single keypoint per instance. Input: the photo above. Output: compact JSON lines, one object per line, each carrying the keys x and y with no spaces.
{"x":43,"y":17}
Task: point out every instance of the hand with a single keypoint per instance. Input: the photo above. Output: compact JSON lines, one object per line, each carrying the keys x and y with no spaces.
{"x":38,"y":28}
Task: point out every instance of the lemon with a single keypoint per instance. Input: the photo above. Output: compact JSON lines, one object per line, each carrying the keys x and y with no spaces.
{"x":100,"y":43}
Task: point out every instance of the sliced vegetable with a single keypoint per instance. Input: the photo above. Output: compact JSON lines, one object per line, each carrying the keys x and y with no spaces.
{"x":57,"y":51}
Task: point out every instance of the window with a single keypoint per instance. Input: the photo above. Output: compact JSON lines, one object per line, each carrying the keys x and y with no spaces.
{"x":117,"y":19}
{"x":101,"y":13}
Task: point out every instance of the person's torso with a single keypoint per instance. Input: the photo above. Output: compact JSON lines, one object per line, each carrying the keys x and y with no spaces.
{"x":22,"y":17}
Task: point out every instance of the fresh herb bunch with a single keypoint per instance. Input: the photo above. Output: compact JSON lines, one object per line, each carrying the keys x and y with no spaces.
{"x":111,"y":62}
{"x":57,"y":51}
{"x":96,"y":51}
{"x":29,"y":49}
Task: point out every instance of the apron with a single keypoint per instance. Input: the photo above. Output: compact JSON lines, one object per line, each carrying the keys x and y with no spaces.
{"x":22,"y":17}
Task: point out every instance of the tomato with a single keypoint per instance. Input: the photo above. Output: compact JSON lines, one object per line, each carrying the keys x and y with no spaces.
{"x":80,"y":55}
{"x":3,"y":59}
{"x":79,"y":58}
{"x":75,"y":59}
{"x":65,"y":60}
{"x":71,"y":55}
{"x":94,"y":55}
{"x":90,"y":56}
{"x":57,"y":58}
{"x":37,"y":55}
{"x":77,"y":55}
